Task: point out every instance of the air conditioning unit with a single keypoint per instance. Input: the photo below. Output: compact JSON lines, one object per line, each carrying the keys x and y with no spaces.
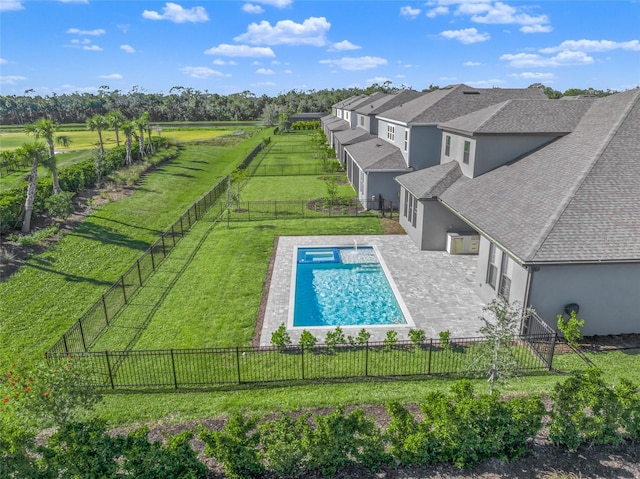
{"x":463,"y":243}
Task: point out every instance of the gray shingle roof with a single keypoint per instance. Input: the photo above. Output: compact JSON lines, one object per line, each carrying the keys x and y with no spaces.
{"x":522,"y":116}
{"x":431,"y":182}
{"x":574,"y":200}
{"x":354,"y":135}
{"x":353,"y":106}
{"x":451,"y":102}
{"x":387,"y":102}
{"x":341,"y":103}
{"x":337,"y":124}
{"x":376,"y":154}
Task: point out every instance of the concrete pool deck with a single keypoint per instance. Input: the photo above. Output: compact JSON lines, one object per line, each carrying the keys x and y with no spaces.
{"x":437,"y":288}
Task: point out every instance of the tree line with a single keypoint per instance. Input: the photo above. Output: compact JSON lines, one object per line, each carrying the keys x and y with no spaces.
{"x":189,"y":104}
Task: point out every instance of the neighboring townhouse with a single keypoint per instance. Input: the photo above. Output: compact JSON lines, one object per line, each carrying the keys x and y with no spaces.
{"x":556,"y":228}
{"x":411,"y":130}
{"x":349,"y":117}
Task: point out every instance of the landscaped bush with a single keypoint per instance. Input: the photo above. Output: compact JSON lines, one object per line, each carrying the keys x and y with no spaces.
{"x":463,"y":428}
{"x":588,"y":410}
{"x":280,"y":338}
{"x":60,"y":205}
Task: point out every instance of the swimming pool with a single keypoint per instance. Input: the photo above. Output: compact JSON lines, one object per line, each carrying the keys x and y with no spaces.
{"x":343,"y":286}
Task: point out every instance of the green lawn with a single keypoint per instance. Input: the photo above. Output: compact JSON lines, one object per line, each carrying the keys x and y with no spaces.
{"x":63,"y":160}
{"x":52,"y":290}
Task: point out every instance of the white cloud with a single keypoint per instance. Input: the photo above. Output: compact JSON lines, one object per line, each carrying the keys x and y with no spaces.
{"x":227,"y":50}
{"x":401,"y":76}
{"x":3,"y":61}
{"x":434,"y":12}
{"x":80,"y":41}
{"x":356,"y":63}
{"x":275,"y":3}
{"x":409,"y":12}
{"x":10,"y":5}
{"x":127,"y":48}
{"x":593,"y":46}
{"x":534,"y":76}
{"x":94,"y":33}
{"x":288,"y":72}
{"x":220,"y":62}
{"x":485,"y":83}
{"x":177,"y":14}
{"x":499,"y":13}
{"x":201,"y":73}
{"x":344,"y":46}
{"x":275,"y":62}
{"x":536,"y":29}
{"x":92,"y":48}
{"x":256,"y":62}
{"x":532,"y":60}
{"x":11,"y":79}
{"x":378,"y":80}
{"x":312,"y":31}
{"x":264,"y":71}
{"x":123,"y":27}
{"x":466,"y":35}
{"x":471,"y":64}
{"x":112,"y":76}
{"x":252,"y":8}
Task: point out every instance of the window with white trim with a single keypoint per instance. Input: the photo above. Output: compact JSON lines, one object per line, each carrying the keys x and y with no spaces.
{"x":391,"y":132}
{"x":447,"y":145}
{"x":406,"y":140}
{"x":492,"y":269}
{"x":467,"y":152}
{"x":505,"y":280}
{"x":406,"y":203}
{"x":361,"y":120}
{"x":410,"y":208}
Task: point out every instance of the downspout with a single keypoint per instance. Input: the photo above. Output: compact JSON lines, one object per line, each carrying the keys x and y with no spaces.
{"x":527,"y":290}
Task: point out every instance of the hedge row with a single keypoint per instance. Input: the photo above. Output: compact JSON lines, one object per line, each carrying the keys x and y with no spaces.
{"x":73,"y":178}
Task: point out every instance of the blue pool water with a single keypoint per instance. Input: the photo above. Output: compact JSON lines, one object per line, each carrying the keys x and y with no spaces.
{"x":343,"y":287}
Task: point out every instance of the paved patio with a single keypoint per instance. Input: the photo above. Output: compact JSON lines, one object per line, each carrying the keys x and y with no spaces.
{"x":437,"y":288}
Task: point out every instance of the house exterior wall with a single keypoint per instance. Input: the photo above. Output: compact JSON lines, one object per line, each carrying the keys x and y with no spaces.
{"x":371,"y":125}
{"x":398,"y":134}
{"x":439,"y":221}
{"x":383,"y":183}
{"x":488,"y":151}
{"x":424,"y":146}
{"x":606,"y":293}
{"x":516,"y":272}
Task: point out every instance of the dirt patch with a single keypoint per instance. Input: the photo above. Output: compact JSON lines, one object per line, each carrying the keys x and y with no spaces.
{"x":13,"y":256}
{"x":392,"y":226}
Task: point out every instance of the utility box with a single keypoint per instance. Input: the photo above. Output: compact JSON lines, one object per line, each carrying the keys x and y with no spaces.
{"x":463,"y":243}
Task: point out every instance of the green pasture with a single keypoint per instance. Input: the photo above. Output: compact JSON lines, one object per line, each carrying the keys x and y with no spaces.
{"x":63,"y":160}
{"x":54,"y":288}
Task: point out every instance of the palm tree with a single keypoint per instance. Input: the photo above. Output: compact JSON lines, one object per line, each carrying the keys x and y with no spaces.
{"x":35,"y":153}
{"x":99,"y":123}
{"x":116,"y":119}
{"x":128,"y":128}
{"x":46,"y":128}
{"x":142,"y":124}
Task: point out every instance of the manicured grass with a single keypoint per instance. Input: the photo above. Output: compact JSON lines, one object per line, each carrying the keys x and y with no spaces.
{"x":263,"y":188}
{"x":194,"y":134}
{"x":52,"y":290}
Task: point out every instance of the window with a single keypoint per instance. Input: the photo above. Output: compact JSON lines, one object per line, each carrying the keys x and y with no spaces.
{"x":505,"y":282}
{"x":414,"y":218}
{"x":492,"y":270}
{"x":406,"y":140}
{"x":447,"y":146}
{"x":406,"y":203}
{"x":391,"y":132}
{"x":467,"y":150}
{"x":361,"y":120}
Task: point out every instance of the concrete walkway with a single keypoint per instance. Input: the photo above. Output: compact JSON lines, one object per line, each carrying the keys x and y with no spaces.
{"x":437,"y":288}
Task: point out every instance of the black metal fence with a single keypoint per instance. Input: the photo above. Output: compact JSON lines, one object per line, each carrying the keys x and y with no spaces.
{"x":96,"y":319}
{"x":288,"y":169}
{"x":534,"y":327}
{"x":300,"y":209}
{"x":201,"y":368}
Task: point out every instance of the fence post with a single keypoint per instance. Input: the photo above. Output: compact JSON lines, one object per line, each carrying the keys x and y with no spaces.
{"x":551,"y":351}
{"x":104,"y":307}
{"x":238,"y":363}
{"x":366,"y":359}
{"x":139,"y":272}
{"x":173,"y":367}
{"x":173,"y":235}
{"x":302,"y":357}
{"x":181,"y":228}
{"x":164,"y":251}
{"x":153,"y":262}
{"x":64,"y":340}
{"x":124,"y":289}
{"x":106,"y":355}
{"x":189,"y":216}
{"x":84,"y":344}
{"x":430,"y":351}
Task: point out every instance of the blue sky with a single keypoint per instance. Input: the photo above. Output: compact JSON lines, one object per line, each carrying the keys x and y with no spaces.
{"x":273,"y":46}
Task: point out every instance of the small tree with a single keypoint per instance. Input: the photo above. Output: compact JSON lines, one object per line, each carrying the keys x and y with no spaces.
{"x":307,"y":340}
{"x":571,"y":328}
{"x":280,"y":338}
{"x":497,"y":357}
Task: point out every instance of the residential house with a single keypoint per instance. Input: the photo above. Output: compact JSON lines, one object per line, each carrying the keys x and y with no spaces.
{"x":557,"y":228}
{"x":408,"y":137}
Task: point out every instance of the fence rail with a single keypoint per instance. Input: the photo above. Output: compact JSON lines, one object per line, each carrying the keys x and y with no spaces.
{"x":198,"y":368}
